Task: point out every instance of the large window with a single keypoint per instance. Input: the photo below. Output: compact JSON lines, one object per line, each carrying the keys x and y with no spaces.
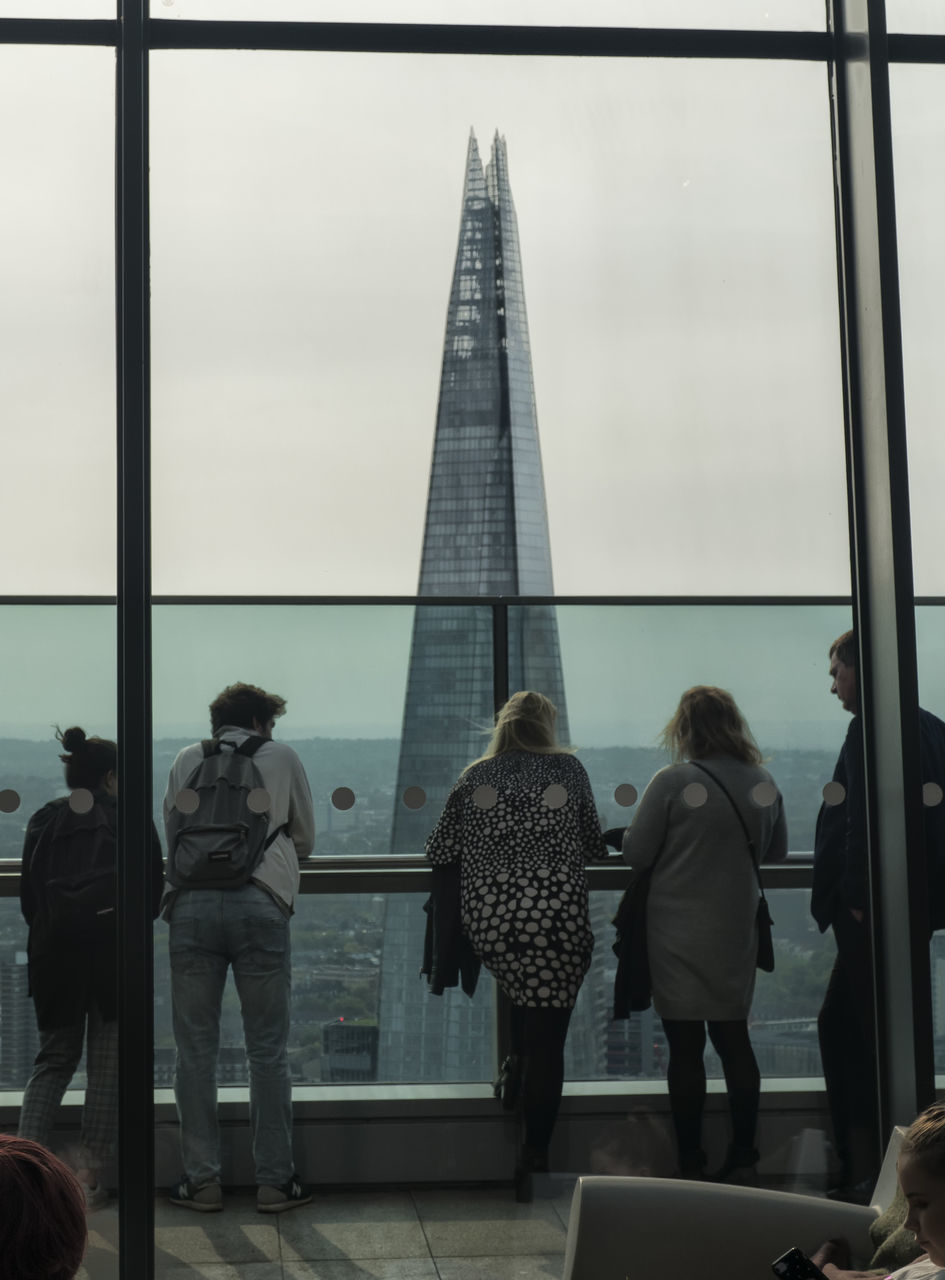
{"x":653,"y":240}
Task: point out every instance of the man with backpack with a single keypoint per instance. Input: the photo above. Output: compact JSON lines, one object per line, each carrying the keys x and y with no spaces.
{"x":238,"y":816}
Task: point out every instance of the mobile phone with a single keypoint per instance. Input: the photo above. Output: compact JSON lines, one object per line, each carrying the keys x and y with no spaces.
{"x":795,"y":1265}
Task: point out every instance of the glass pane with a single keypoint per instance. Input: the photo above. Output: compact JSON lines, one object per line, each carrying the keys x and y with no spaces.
{"x":783,"y":1018}
{"x":623,"y":669}
{"x":19,"y":1042}
{"x":348,"y":1024}
{"x":919,"y":17}
{"x":59,"y":670}
{"x":384,"y":711}
{"x":930,"y":637}
{"x":918,"y":118}
{"x":671,"y":236}
{"x":57,"y":252}
{"x":796,"y":15}
{"x":69,"y":679}
{"x":57,"y":9}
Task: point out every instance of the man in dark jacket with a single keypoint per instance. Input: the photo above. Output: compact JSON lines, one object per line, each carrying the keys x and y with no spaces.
{"x":840,"y":900}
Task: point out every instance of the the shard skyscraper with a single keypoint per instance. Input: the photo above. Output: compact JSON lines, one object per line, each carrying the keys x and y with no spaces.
{"x":486,"y":535}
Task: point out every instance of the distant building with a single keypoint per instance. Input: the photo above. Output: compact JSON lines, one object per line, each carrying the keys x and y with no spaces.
{"x":486,"y":533}
{"x":349,"y":1051}
{"x":19,"y":1039}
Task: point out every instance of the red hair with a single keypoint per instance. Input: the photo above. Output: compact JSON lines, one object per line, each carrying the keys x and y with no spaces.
{"x":42,"y":1223}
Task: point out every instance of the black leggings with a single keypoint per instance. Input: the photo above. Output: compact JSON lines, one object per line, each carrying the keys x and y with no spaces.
{"x":686,"y":1079}
{"x":538,"y":1035}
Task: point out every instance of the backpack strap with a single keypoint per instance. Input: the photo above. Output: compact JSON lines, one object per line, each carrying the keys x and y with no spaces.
{"x":248,"y":747}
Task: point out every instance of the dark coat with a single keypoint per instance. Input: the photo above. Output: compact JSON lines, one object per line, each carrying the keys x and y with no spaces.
{"x":66,"y":978}
{"x":448,"y":957}
{"x":841,"y":863}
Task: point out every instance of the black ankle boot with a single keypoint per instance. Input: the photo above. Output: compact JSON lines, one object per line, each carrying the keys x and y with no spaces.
{"x":692,"y":1165}
{"x":531,"y":1160}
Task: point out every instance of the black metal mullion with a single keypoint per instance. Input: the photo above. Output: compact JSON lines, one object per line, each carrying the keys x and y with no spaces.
{"x":465,"y":601}
{"x":500,"y":655}
{"x":881,"y":555}
{"x":59,"y":31}
{"x":502,"y":1024}
{"x":490,"y":40}
{"x":136,"y":982}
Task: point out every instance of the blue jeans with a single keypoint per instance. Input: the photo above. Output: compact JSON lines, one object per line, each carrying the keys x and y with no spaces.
{"x":211,"y":929}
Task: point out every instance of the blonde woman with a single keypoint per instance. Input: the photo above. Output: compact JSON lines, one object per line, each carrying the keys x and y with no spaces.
{"x":521,"y":823}
{"x":701,"y":912}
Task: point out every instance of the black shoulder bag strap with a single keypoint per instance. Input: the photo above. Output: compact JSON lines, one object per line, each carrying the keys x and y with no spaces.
{"x":744,"y":826}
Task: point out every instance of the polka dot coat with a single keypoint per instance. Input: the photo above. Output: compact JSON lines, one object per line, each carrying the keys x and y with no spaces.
{"x":521,"y":826}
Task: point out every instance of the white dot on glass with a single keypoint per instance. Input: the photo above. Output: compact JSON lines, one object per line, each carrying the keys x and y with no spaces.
{"x":81,"y":800}
{"x":932,"y":794}
{"x":258,"y":800}
{"x":415,"y":797}
{"x":626,"y":795}
{"x":187,"y":801}
{"x":342,"y":798}
{"x":9,"y":802}
{"x":555,"y":796}
{"x":695,"y":795}
{"x":834,"y":793}
{"x":485,"y":797}
{"x":763,"y":794}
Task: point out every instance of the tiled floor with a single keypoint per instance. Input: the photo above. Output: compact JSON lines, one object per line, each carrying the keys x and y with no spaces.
{"x":467,"y":1234}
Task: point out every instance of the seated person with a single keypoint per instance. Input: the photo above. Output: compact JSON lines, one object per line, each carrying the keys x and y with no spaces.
{"x":922,"y":1183}
{"x":42,"y":1225}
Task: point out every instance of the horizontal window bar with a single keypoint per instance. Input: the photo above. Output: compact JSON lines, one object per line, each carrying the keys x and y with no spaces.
{"x":81,"y":31}
{"x":601,"y":42}
{"x":461,"y":601}
{"x":916,"y":48}
{"x":413,"y":875}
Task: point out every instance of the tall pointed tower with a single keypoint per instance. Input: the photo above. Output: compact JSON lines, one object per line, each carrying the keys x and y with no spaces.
{"x":486,"y":534}
{"x":486,"y":526}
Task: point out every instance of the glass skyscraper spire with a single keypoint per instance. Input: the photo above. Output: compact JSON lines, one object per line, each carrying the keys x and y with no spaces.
{"x":486,"y":534}
{"x":486,"y":525}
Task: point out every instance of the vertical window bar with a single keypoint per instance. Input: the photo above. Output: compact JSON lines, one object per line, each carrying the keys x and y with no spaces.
{"x":136,"y":987}
{"x":502,"y":1030}
{"x":500,"y":654}
{"x":881,"y":553}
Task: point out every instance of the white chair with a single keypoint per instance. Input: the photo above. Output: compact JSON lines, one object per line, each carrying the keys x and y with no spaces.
{"x":670,"y":1229}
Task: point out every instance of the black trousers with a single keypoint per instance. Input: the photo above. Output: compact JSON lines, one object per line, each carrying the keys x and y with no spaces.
{"x":847,"y":1033}
{"x":538,"y":1035}
{"x":685,"y":1079}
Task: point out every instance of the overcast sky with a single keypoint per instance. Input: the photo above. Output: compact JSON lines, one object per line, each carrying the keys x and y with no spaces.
{"x":677,"y":236}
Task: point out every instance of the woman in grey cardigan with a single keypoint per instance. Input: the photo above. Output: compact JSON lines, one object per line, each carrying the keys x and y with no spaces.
{"x":701,"y":929}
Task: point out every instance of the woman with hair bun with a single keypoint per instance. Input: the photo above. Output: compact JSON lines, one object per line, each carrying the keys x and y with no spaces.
{"x":702,"y":935}
{"x":67,"y":896}
{"x":42,"y":1224}
{"x":521,"y":823}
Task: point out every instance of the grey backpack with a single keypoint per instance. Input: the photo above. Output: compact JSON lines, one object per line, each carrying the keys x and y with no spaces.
{"x":218,"y":842}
